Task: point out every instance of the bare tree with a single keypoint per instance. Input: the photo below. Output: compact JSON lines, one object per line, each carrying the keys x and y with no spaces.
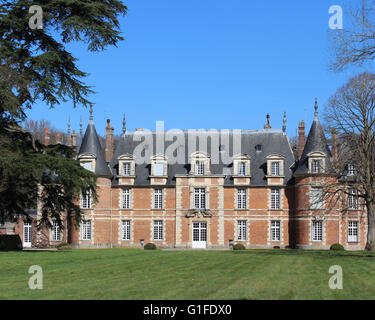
{"x":355,"y":43}
{"x":351,"y":113}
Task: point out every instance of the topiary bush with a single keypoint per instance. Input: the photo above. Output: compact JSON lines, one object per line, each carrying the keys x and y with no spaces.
{"x":10,"y":242}
{"x":150,"y":246}
{"x":336,"y":246}
{"x":239,"y":246}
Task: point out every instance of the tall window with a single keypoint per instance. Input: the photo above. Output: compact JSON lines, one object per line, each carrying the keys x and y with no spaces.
{"x":317,"y":231}
{"x":86,"y":202}
{"x":316,"y":166}
{"x":317,"y":198}
{"x":126,"y":169}
{"x":242,"y":168}
{"x":351,"y":170}
{"x":199,"y":168}
{"x":158,"y":198}
{"x":275,"y":168}
{"x":126,"y":198}
{"x":242,"y":230}
{"x":275,"y":198}
{"x":158,"y":230}
{"x":353,"y":231}
{"x":275,"y":230}
{"x":241,"y":198}
{"x":56,"y":234}
{"x":86,"y":230}
{"x":125,"y":232}
{"x":159,"y":169}
{"x":200,"y":198}
{"x":353,"y":199}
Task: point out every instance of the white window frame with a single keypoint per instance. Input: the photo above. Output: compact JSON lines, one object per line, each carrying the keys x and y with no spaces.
{"x":126,"y":230}
{"x":316,"y":165}
{"x":199,"y":167}
{"x":126,"y":198}
{"x":353,"y":199}
{"x":275,"y":230}
{"x":317,"y":230}
{"x":86,"y":200}
{"x":158,"y":232}
{"x":126,"y":169}
{"x":353,"y":231}
{"x":316,"y":198}
{"x":86,"y":230}
{"x":242,"y":168}
{"x":199,"y":198}
{"x":275,"y":199}
{"x":241,"y":198}
{"x":242,"y":228}
{"x":56,"y":232}
{"x":351,"y":170}
{"x":275,"y":168}
{"x":158,"y":198}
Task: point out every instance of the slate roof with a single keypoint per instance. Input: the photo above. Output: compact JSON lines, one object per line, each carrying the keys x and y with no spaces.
{"x":272,"y":142}
{"x":91,"y":145}
{"x":316,"y":141}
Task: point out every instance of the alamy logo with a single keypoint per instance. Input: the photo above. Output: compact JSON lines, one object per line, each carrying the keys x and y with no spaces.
{"x":336,"y":20}
{"x":36,"y":280}
{"x":335,"y":282}
{"x":36,"y":20}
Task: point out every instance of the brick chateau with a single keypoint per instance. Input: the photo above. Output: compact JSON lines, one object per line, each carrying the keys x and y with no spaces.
{"x":263,"y":197}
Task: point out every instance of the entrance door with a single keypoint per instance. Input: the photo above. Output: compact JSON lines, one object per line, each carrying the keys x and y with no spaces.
{"x":27,"y":235}
{"x":199,"y":235}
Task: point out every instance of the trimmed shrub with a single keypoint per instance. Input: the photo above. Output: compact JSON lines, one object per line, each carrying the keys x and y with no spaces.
{"x":10,"y":242}
{"x":276,"y":247}
{"x":150,"y":246}
{"x":336,"y":246}
{"x":63,"y":246}
{"x":239,"y":246}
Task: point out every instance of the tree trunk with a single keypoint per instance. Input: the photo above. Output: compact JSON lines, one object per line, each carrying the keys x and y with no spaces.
{"x":370,"y":245}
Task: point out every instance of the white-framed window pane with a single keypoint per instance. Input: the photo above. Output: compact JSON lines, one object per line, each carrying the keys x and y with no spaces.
{"x":241,"y":198}
{"x":125,"y":230}
{"x":87,"y":165}
{"x":317,"y":198}
{"x":158,"y":230}
{"x":199,"y":168}
{"x":86,"y":230}
{"x":158,"y":169}
{"x":275,"y":198}
{"x":275,"y":230}
{"x":353,"y":199}
{"x":351,"y":170}
{"x":241,"y":230}
{"x":200,"y":198}
{"x":352,"y":231}
{"x":275,"y":168}
{"x":316,"y":166}
{"x":158,"y":198}
{"x":126,"y":168}
{"x":242,"y":168}
{"x":56,"y":234}
{"x":317,"y":231}
{"x":126,"y":198}
{"x":86,"y":202}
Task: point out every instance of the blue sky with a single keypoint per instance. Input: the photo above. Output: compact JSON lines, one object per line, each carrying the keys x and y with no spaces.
{"x":209,"y":64}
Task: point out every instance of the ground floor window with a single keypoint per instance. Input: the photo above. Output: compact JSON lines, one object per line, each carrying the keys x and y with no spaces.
{"x":353,"y":231}
{"x":158,"y":230}
{"x":56,"y":233}
{"x":125,"y":230}
{"x":86,"y":230}
{"x":317,"y":231}
{"x":241,"y":230}
{"x":275,"y":230}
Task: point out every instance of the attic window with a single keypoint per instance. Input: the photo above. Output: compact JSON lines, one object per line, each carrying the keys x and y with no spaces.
{"x":258,"y":147}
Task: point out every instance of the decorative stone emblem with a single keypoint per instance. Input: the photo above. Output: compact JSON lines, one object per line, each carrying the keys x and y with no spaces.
{"x":199,"y":213}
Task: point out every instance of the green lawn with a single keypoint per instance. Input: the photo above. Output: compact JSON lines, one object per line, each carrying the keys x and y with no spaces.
{"x":137,"y":274}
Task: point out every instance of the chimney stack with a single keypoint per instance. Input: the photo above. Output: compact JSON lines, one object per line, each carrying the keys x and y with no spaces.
{"x":46,"y":137}
{"x":334,"y":145}
{"x":109,"y":142}
{"x":301,"y":138}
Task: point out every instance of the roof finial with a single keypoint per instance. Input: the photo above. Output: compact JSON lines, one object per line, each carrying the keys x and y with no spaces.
{"x":316,"y":108}
{"x":268,"y":125}
{"x":69,"y":125}
{"x":284,"y":122}
{"x":123,"y":125}
{"x":91,"y":117}
{"x":80,"y":126}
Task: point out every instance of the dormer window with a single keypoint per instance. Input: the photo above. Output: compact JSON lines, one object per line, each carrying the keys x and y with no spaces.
{"x":87,"y":165}
{"x":199,"y":168}
{"x":242,"y":168}
{"x":87,"y":161}
{"x":351,"y":170}
{"x":126,"y":169}
{"x":159,"y":166}
{"x":275,"y":165}
{"x":275,"y":168}
{"x":258,"y":148}
{"x":126,"y":165}
{"x":241,"y":165}
{"x":316,"y":162}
